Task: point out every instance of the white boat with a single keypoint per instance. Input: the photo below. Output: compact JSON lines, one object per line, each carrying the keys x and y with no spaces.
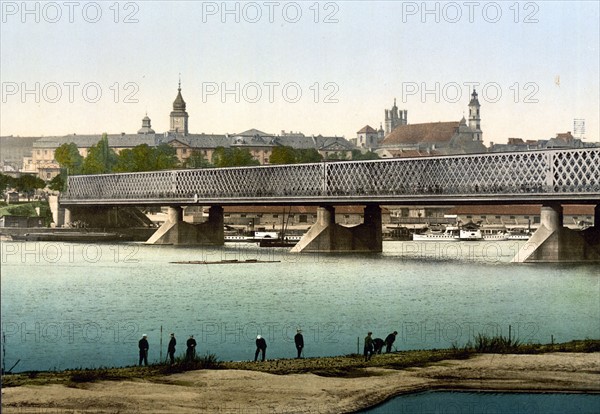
{"x":494,"y":234}
{"x":519,"y":234}
{"x":470,"y":235}
{"x":451,"y":233}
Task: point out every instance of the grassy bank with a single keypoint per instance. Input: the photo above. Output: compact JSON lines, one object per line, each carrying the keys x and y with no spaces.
{"x":340,"y":366}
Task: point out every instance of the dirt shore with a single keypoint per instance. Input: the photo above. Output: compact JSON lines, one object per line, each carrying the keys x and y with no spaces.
{"x":243,"y":391}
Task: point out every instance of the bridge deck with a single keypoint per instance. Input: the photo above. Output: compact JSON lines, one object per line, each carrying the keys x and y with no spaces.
{"x":532,"y":177}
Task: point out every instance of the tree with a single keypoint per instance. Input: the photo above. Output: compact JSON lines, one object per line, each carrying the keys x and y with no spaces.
{"x":27,"y":184}
{"x":283,"y":155}
{"x":58,"y":183}
{"x":164,"y":158}
{"x":360,"y":156}
{"x":144,"y":158}
{"x":289,"y":155}
{"x":308,"y":155}
{"x":69,"y":158}
{"x":100,"y":159}
{"x":6,"y":181}
{"x":232,"y":157}
{"x":197,"y":160}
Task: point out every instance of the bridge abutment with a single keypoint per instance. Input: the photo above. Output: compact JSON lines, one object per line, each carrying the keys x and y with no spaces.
{"x":553,"y":243}
{"x":328,"y":236}
{"x":176,"y":231}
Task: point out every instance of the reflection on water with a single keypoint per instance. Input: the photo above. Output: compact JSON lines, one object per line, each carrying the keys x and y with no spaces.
{"x":71,"y":305}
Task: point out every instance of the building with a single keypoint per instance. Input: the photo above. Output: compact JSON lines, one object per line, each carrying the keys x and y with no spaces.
{"x":40,"y":159}
{"x":436,"y":138}
{"x":521,"y":216}
{"x":292,"y":217}
{"x":561,"y":141}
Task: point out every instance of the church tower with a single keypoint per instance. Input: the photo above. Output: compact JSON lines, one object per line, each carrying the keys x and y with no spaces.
{"x":179,"y":117}
{"x":393,"y":118}
{"x":474,"y":117}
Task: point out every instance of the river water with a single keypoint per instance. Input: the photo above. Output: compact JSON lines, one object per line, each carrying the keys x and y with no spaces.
{"x":86,"y":305}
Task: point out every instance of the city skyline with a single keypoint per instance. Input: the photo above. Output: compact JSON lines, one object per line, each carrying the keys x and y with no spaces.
{"x":325,"y":68}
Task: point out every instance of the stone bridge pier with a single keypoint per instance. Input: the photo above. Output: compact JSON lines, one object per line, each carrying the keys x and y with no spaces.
{"x":177,"y":232}
{"x":554,"y":243}
{"x":328,"y":236}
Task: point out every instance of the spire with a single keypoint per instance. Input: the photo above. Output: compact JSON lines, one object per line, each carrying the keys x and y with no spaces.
{"x":474,"y":100}
{"x":179,"y":103}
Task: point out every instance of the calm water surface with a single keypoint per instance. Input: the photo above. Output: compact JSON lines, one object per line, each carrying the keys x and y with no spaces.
{"x":486,"y":403}
{"x":86,"y":305}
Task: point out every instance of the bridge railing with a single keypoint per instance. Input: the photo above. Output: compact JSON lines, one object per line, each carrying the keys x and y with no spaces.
{"x":550,"y":171}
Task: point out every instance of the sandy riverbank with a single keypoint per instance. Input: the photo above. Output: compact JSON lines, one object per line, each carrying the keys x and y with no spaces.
{"x":242,"y":391}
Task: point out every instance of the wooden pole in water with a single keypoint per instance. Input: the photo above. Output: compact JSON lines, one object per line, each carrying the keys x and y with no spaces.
{"x":160,"y":344}
{"x":358,"y":345}
{"x":509,"y":332}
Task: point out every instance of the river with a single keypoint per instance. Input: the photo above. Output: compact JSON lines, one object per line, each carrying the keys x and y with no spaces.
{"x":70,"y":305}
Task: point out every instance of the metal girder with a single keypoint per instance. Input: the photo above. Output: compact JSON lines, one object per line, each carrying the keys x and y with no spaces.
{"x":526,"y":177}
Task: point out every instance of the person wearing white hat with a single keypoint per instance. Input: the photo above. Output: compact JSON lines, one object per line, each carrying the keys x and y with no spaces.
{"x":261,"y":347}
{"x":143,"y":346}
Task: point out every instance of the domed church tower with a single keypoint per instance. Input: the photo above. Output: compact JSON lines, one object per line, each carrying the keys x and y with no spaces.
{"x":179,"y":117}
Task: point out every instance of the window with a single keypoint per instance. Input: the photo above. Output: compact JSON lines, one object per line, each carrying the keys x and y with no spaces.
{"x":469,"y":217}
{"x":243,"y":215}
{"x":512,"y":217}
{"x":275,"y":215}
{"x":498,"y":217}
{"x":526,"y":217}
{"x":303,"y":218}
{"x":483,"y":217}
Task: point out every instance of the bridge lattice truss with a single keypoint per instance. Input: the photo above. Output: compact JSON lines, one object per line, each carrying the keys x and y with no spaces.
{"x":526,"y":176}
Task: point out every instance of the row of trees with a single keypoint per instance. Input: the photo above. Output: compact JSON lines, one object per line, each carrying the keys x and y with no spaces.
{"x":102,"y":159}
{"x":25,"y":184}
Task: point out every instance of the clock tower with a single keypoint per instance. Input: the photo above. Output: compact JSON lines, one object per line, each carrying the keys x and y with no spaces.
{"x":179,"y":116}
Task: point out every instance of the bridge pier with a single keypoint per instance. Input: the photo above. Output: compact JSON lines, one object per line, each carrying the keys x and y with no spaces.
{"x":553,"y":243}
{"x":176,"y":231}
{"x":328,"y":236}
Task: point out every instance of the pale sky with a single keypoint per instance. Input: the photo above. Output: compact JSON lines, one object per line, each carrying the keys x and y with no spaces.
{"x":536,"y":65}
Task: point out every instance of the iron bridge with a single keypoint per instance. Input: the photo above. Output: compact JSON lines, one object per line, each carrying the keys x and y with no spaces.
{"x":532,"y":177}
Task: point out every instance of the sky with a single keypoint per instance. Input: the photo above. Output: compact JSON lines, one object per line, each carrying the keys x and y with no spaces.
{"x":325,"y":68}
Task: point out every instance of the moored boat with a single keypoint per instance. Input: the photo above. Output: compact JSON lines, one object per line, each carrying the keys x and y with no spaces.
{"x":450,"y":233}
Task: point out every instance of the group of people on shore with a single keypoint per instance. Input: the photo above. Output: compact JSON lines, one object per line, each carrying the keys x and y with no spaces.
{"x":374,"y":346}
{"x":190,"y":354}
{"x":371,"y":346}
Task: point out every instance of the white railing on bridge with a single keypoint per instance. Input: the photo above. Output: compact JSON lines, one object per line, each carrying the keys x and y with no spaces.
{"x":535,"y":172}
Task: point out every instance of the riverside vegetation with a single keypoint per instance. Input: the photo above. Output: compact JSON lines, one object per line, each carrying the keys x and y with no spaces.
{"x":347,"y":366}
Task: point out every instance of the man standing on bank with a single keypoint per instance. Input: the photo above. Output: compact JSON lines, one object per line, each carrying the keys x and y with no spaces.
{"x":191,"y":348}
{"x":143,"y":346}
{"x":299,"y":340}
{"x":171,"y":348}
{"x":389,"y":341}
{"x":261,"y":347}
{"x":368,"y":349}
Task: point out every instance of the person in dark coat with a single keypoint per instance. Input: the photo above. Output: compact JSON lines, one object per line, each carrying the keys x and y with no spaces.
{"x":261,"y":347}
{"x":299,"y":340}
{"x":191,"y":348}
{"x":143,"y":346}
{"x":368,"y":348}
{"x":378,"y":345}
{"x":389,"y":341}
{"x":171,"y":348}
